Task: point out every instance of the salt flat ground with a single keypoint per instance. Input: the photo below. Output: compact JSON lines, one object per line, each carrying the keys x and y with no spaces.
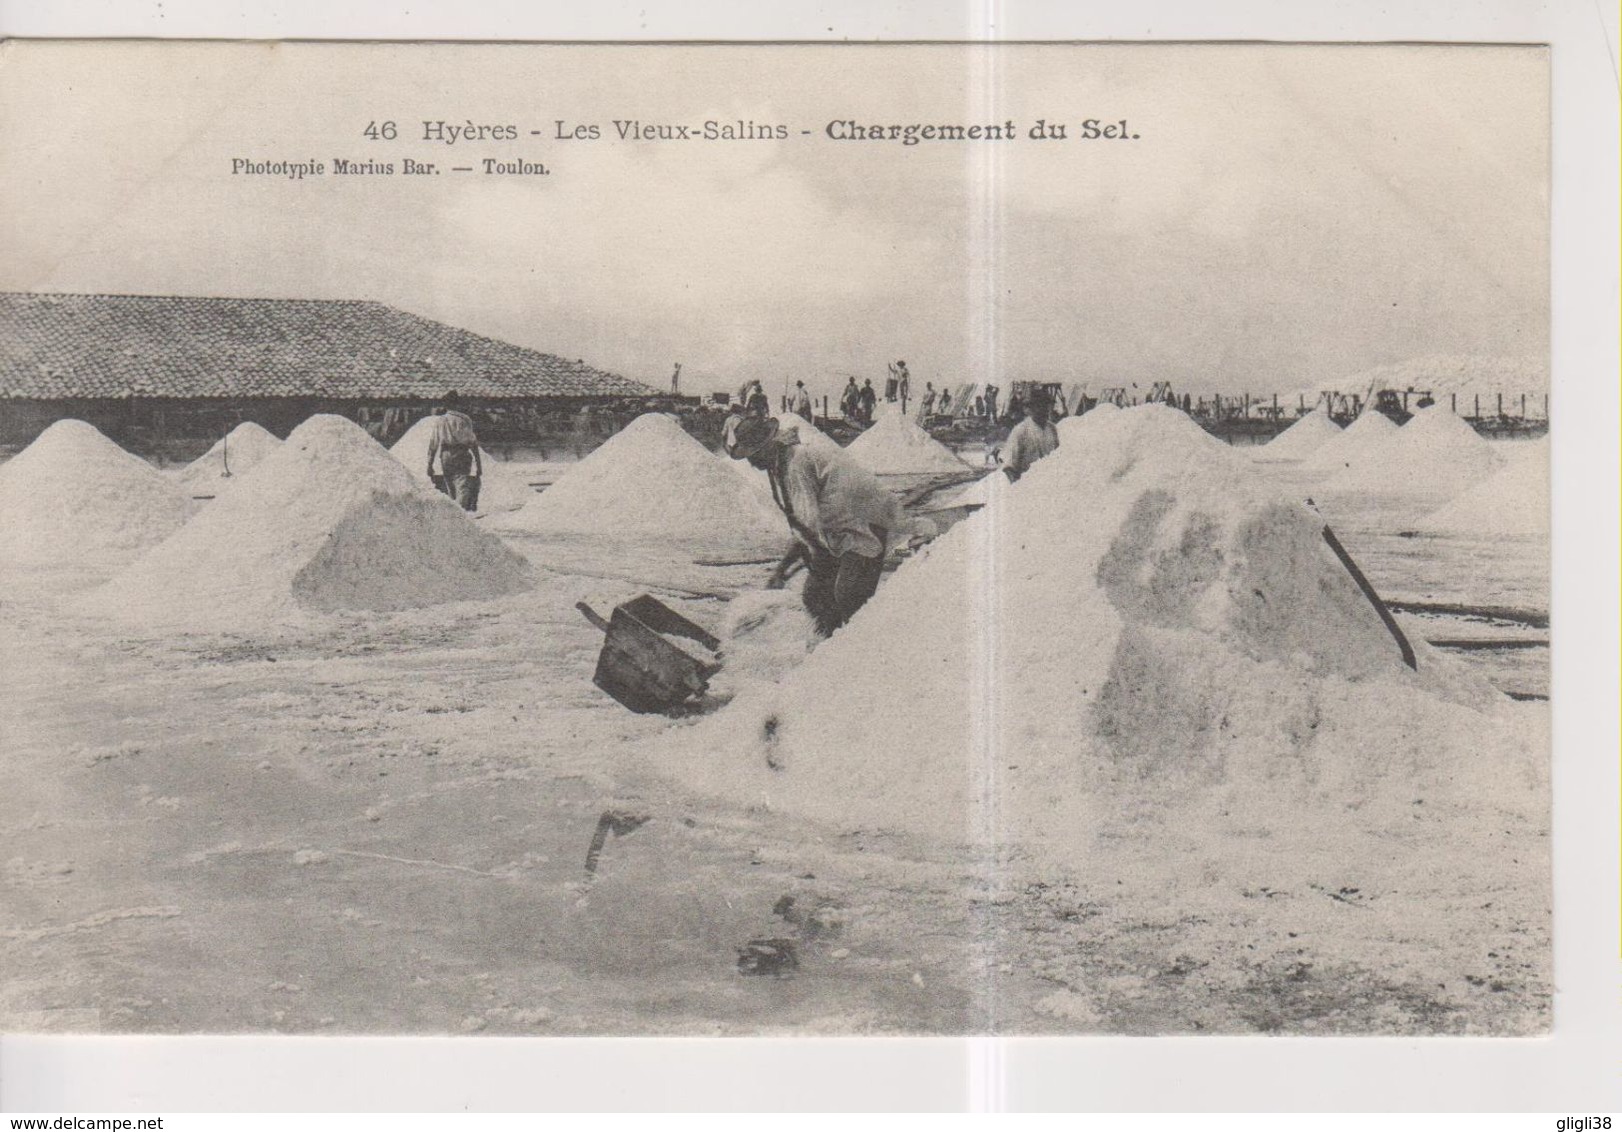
{"x":379,"y":824}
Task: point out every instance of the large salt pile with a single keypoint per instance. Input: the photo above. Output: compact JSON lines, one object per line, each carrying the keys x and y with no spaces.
{"x":810,"y":435}
{"x":1302,"y":440}
{"x":499,"y":488}
{"x":895,"y":445}
{"x":983,"y":492}
{"x":1436,"y":454}
{"x":1076,"y":429}
{"x":1362,"y":441}
{"x":1512,"y":502}
{"x":654,"y":483}
{"x":235,"y":453}
{"x":327,"y":522}
{"x":74,"y":498}
{"x":1137,"y":666}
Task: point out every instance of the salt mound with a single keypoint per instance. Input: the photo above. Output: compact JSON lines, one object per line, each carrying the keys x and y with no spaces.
{"x":1512,"y":502}
{"x":327,"y":522}
{"x":236,"y":452}
{"x":1140,"y":642}
{"x":1302,"y":440}
{"x":1075,"y":429}
{"x":1435,"y":454}
{"x":1362,"y":440}
{"x":500,"y":489}
{"x":810,"y":435}
{"x":895,"y":445}
{"x":983,"y":492}
{"x":653,"y":482}
{"x":764,"y":635}
{"x":73,"y":497}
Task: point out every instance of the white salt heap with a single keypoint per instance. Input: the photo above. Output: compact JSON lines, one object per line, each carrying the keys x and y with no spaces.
{"x":1076,"y":429}
{"x":327,"y":522}
{"x":1435,"y":455}
{"x":1512,"y":502}
{"x":654,"y":483}
{"x":895,"y":445}
{"x":764,"y":635}
{"x":1360,"y":442}
{"x":810,"y":435}
{"x":500,"y":489}
{"x":74,"y":498}
{"x":983,"y":492}
{"x":238,"y":451}
{"x":1302,"y":440}
{"x":1139,"y":669}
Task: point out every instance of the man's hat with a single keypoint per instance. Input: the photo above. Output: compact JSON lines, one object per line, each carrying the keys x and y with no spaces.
{"x":750,"y":436}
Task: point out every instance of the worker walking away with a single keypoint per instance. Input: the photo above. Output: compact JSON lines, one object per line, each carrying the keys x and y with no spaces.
{"x":842,"y":517}
{"x":454,"y":447}
{"x":801,"y":405}
{"x":1032,"y":438}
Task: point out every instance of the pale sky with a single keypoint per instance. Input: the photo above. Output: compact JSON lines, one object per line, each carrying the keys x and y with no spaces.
{"x":1287,"y":215}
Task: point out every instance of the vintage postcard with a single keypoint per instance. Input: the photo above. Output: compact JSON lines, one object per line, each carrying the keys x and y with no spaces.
{"x":910,"y":539}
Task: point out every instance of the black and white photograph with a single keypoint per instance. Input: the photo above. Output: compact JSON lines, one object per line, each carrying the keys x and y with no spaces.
{"x":772,"y":539}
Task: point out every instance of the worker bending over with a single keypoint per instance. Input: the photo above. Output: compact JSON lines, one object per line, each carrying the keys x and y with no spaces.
{"x":454,"y":446}
{"x":842,"y":517}
{"x":1032,"y":438}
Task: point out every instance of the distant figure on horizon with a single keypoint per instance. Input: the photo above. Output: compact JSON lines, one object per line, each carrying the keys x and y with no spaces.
{"x":801,"y":405}
{"x":900,"y":383}
{"x":675,"y":381}
{"x":850,"y":400}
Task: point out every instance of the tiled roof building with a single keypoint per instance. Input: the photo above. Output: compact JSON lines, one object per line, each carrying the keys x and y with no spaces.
{"x":99,"y":347}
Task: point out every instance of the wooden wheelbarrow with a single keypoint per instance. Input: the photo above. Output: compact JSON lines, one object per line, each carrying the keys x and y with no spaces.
{"x":640,"y":666}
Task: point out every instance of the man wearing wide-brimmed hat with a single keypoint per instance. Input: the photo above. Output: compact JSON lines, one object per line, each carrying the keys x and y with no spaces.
{"x":842,"y":517}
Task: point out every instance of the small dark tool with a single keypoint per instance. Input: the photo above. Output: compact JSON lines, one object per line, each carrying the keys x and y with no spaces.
{"x":768,"y":957}
{"x":640,"y":666}
{"x":619,"y":823}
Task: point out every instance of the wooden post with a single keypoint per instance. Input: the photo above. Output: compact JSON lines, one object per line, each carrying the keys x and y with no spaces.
{"x":1453,"y":402}
{"x":1405,"y":400}
{"x":1500,"y":404}
{"x":1247,"y":406}
{"x":1302,"y":408}
{"x":1478,"y":407}
{"x":1523,"y":406}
